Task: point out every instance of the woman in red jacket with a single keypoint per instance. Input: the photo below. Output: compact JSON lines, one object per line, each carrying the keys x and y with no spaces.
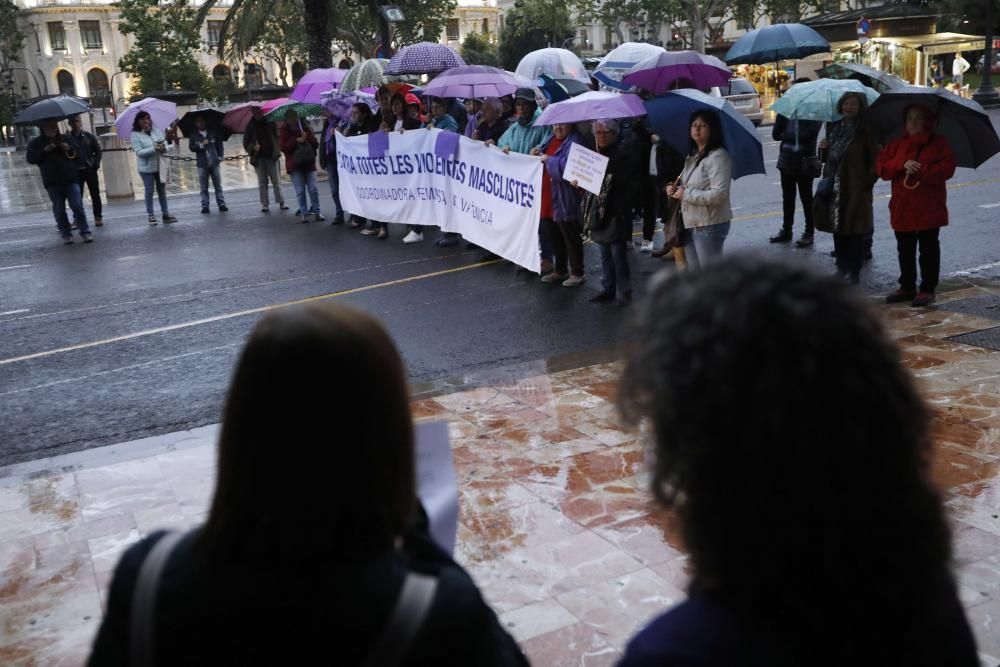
{"x":300,"y":145}
{"x":918,"y":164}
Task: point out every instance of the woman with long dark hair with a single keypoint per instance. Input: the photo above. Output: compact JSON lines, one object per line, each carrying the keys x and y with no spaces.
{"x":822,"y":545}
{"x":315,"y":535}
{"x":149,"y":144}
{"x":363,"y":121}
{"x":703,"y":191}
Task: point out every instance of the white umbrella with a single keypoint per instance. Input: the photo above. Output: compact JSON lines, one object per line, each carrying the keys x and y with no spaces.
{"x":621,"y":59}
{"x":559,"y":62}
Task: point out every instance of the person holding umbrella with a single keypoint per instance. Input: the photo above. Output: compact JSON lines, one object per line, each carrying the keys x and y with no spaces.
{"x":56,"y":158}
{"x":88,"y":155}
{"x":260,"y":141}
{"x":299,"y":145}
{"x":796,"y":157}
{"x":843,"y":200}
{"x":148,"y":144}
{"x":919,"y":164}
{"x":207,"y":145}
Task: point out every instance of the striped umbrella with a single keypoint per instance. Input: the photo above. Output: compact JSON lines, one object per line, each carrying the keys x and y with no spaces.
{"x":303,"y":109}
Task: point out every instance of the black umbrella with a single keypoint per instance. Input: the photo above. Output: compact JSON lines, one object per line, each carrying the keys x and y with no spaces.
{"x":52,"y":108}
{"x":877,"y":80}
{"x":213,"y":121}
{"x":963,"y":122}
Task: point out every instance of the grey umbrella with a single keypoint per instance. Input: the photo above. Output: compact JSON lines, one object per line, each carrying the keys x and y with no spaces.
{"x":53,"y":108}
{"x":871,"y":77}
{"x":963,"y":122}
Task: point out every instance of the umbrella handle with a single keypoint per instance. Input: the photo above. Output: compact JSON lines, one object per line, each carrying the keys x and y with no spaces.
{"x":906,"y":183}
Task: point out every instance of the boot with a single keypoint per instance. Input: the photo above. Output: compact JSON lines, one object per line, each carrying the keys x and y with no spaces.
{"x":679,"y":258}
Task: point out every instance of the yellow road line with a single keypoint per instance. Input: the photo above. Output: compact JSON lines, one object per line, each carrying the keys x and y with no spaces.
{"x":241,"y":313}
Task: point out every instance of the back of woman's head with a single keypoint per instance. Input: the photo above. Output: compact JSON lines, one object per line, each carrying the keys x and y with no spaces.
{"x":794,"y":449}
{"x":316,"y":449}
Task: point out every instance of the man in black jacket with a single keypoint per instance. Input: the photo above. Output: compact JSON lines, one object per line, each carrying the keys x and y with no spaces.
{"x":57,"y":160}
{"x":88,"y":156}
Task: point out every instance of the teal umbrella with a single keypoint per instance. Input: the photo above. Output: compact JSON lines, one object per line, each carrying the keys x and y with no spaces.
{"x":303,"y":109}
{"x":817,"y":100}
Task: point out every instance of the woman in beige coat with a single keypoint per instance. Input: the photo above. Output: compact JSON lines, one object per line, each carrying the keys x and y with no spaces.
{"x":703,"y":191}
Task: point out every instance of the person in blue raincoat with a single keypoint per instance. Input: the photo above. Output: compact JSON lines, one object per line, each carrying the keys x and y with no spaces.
{"x":522,"y":135}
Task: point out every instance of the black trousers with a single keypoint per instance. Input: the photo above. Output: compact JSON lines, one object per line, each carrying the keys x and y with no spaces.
{"x":930,"y":259}
{"x":93,"y":183}
{"x":792,"y":183}
{"x":850,"y":250}
{"x":568,"y":247}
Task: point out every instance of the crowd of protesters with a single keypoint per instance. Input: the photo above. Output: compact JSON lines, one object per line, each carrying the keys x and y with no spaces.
{"x":685,"y":196}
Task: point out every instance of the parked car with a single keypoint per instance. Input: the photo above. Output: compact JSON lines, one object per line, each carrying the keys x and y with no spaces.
{"x":744,"y":97}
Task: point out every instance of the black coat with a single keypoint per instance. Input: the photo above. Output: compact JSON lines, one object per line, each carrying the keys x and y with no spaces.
{"x":324,"y":611}
{"x":57,"y":169}
{"x":626,"y":179}
{"x":784,"y":130}
{"x":88,"y":149}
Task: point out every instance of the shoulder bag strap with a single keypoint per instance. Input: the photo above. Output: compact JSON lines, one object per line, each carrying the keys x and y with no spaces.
{"x":144,"y":600}
{"x":411,"y":608}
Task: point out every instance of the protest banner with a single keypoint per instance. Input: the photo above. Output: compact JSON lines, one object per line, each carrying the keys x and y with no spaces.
{"x":420,"y":177}
{"x":586,"y":167}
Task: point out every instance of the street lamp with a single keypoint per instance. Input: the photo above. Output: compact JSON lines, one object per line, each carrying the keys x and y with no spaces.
{"x":30,"y":73}
{"x":566,"y":41}
{"x":987,"y":94}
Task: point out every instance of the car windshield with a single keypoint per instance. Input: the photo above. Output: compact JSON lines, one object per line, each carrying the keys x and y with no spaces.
{"x":738,"y":87}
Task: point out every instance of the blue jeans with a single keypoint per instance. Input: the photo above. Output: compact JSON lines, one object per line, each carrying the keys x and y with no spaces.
{"x":302,"y":181}
{"x":704,"y":244}
{"x":334,"y":178}
{"x":615,"y":275}
{"x":203,"y":175}
{"x":149,"y":179}
{"x":59,"y":195}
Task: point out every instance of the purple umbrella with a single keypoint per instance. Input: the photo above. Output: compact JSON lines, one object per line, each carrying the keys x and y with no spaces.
{"x":423,"y":58}
{"x":339,"y":104}
{"x":592,"y":106}
{"x":472,"y":81}
{"x":678,"y":69}
{"x":161,"y":112}
{"x":315,"y":82}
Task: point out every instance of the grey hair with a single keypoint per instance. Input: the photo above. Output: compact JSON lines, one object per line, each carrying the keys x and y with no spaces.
{"x":493,"y":103}
{"x":608,"y":124}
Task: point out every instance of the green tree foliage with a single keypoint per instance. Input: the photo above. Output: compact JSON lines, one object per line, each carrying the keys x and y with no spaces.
{"x":955,"y":13}
{"x":166,"y":40}
{"x":531,"y":25}
{"x":11,"y":38}
{"x":354,"y":27}
{"x":480,"y":50}
{"x":271,"y":30}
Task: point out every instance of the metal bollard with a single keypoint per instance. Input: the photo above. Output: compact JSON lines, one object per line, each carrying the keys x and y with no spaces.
{"x":117,"y":167}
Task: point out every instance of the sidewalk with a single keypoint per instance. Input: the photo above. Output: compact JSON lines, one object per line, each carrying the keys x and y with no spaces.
{"x":556,"y":523}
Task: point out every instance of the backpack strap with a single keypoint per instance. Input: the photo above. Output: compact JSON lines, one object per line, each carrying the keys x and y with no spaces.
{"x":144,"y":600}
{"x":411,"y":608}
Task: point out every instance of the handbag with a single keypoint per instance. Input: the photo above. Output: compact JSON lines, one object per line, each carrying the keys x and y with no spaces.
{"x":673,"y":228}
{"x":304,"y":155}
{"x":812,"y":166}
{"x":592,"y":208}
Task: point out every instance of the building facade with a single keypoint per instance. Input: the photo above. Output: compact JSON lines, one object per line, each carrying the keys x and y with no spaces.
{"x":472,"y":16}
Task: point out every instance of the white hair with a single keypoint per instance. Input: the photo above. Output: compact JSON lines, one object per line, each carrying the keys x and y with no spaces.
{"x":493,"y":103}
{"x":608,"y":124}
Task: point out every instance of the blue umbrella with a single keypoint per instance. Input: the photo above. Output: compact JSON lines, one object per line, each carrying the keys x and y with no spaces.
{"x":669,"y":115}
{"x":776,"y":42}
{"x":818,"y":100}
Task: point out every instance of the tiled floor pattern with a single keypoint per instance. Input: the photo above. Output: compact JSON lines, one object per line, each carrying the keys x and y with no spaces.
{"x":556,"y":523}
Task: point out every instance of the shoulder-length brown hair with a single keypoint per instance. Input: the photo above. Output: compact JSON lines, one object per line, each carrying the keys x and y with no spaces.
{"x":316,"y":449}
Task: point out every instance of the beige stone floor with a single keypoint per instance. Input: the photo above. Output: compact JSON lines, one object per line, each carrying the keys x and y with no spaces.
{"x":556,"y":524}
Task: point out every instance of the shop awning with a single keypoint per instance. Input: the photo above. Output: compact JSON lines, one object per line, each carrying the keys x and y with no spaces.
{"x":931,"y":44}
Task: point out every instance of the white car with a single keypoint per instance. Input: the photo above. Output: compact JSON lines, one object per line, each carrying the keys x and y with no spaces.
{"x":744,"y":97}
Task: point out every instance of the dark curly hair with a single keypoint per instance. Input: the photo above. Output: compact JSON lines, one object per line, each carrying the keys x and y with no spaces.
{"x":794,"y":449}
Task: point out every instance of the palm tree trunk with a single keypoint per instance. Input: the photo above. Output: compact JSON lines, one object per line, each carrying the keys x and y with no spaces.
{"x":318,"y":33}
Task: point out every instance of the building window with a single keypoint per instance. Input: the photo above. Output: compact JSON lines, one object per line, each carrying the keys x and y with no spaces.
{"x":220,"y":72}
{"x":65,"y":83}
{"x":451,"y":28}
{"x":214,"y":30}
{"x":97,"y":84}
{"x":57,"y":36}
{"x":90,"y":33}
{"x":38,"y":43}
{"x":253,"y":75}
{"x":486,"y":26}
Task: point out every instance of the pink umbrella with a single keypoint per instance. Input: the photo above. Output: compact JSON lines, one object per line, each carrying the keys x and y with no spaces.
{"x":592,"y":106}
{"x":271,"y":105}
{"x":316,"y":82}
{"x":239,"y":115}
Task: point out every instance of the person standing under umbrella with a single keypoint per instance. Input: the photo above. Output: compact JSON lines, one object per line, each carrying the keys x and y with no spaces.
{"x":363,"y":121}
{"x":299,"y":145}
{"x":843,"y":201}
{"x":148,"y":144}
{"x":57,"y":160}
{"x":400,"y":119}
{"x":207,"y":146}
{"x":88,"y":155}
{"x":919,"y":164}
{"x":795,"y":156}
{"x":491,"y":123}
{"x":561,"y":207}
{"x":260,"y":141}
{"x":328,"y":163}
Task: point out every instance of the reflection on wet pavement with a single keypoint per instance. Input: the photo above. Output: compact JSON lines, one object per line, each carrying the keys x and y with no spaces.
{"x":21,"y":188}
{"x":556,"y":522}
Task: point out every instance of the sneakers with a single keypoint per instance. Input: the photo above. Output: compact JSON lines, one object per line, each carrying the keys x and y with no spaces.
{"x":283,"y":207}
{"x":67,"y":240}
{"x":98,"y":222}
{"x":804,"y":241}
{"x":265,"y":209}
{"x":923,"y":299}
{"x":204,"y":209}
{"x":87,"y":238}
{"x":447,"y":241}
{"x":383,"y":234}
{"x":553,"y":277}
{"x":152,"y":220}
{"x":647,"y":246}
{"x":369,"y":231}
{"x":318,"y":218}
{"x":602,"y":297}
{"x":784,"y":236}
{"x":167,"y":219}
{"x":901,"y":295}
{"x":413,"y":237}
{"x":223,"y":208}
{"x":574,"y":281}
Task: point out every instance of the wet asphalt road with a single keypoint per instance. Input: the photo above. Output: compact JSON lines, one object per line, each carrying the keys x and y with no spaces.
{"x":137,"y":333}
